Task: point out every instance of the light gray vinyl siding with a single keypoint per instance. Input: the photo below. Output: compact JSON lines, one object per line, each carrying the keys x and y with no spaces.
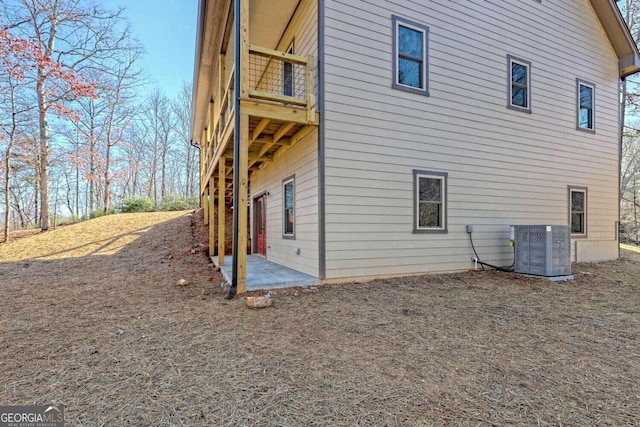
{"x":503,"y":167}
{"x":303,"y":32}
{"x":302,"y":161}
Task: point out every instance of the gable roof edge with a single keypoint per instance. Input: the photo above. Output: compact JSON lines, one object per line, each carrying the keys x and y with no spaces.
{"x":619,"y":36}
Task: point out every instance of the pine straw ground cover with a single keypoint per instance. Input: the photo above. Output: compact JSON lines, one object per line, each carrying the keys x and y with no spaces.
{"x":90,"y":317}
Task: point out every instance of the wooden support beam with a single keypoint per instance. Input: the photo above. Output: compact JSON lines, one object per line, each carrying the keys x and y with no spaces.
{"x":221,"y":78}
{"x":289,"y":57}
{"x":205,"y":206}
{"x":280,"y":133}
{"x":203,"y":165}
{"x":276,"y":137}
{"x":270,"y":96}
{"x":220,"y":149}
{"x":258,"y":130}
{"x":311,"y":89}
{"x":212,"y":214}
{"x":212,"y":118}
{"x":297,"y":137}
{"x":276,"y":112}
{"x":221,"y":208}
{"x":244,"y":49}
{"x":242,"y":208}
{"x":264,"y":139}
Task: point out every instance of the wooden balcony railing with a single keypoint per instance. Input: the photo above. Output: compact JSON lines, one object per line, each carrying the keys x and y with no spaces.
{"x":226,"y":106}
{"x":280,"y":77}
{"x":273,"y":78}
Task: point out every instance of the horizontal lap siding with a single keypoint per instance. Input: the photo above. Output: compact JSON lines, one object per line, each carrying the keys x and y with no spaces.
{"x":303,"y":32}
{"x":302,"y":161}
{"x":504,"y":167}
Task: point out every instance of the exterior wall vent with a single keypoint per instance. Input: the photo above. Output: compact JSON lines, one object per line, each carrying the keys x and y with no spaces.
{"x":542,"y":250}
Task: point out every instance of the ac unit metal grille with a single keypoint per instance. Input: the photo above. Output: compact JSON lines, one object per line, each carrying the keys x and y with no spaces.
{"x":543,"y":250}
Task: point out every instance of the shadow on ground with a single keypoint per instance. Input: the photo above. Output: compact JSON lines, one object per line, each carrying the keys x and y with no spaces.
{"x":112,"y":338}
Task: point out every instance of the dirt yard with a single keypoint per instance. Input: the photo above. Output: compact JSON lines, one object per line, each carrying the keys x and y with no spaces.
{"x":90,"y":317}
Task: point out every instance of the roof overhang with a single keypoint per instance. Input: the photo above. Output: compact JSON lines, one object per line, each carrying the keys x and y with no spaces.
{"x":619,"y":36}
{"x":211,"y":14}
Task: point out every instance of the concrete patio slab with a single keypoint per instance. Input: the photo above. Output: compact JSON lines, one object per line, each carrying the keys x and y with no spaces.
{"x":263,"y":274}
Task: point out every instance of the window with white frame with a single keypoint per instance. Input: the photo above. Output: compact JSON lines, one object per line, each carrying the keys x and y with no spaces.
{"x":430,"y":201}
{"x":519,"y":84}
{"x":410,"y":54}
{"x":578,"y":210}
{"x":586,"y":93}
{"x":288,"y":207}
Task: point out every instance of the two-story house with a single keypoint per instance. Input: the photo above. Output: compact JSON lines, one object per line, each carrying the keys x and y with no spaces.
{"x":364,"y":136}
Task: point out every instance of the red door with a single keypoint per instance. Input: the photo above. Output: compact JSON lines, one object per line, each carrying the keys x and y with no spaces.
{"x":260,"y":225}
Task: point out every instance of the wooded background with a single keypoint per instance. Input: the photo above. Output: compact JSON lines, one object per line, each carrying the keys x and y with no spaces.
{"x":630,"y":147}
{"x":76,"y":135}
{"x":77,"y":138}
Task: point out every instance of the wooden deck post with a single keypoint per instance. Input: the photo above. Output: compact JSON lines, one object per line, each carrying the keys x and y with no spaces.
{"x":222,"y":188}
{"x":205,"y":205}
{"x":240,"y":150}
{"x":243,"y":188}
{"x":221,"y":82}
{"x":244,"y":49}
{"x":203,"y":168}
{"x":212,"y":215}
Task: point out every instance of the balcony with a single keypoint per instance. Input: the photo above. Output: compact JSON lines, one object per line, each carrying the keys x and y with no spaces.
{"x":278,"y":96}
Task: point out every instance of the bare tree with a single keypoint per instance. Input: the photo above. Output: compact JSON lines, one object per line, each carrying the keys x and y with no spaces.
{"x":160,"y":122}
{"x":74,"y":37}
{"x":14,"y":65}
{"x":124,"y":79}
{"x":182,"y":108}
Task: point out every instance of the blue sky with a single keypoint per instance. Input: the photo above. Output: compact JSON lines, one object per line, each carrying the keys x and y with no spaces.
{"x":167,"y":30}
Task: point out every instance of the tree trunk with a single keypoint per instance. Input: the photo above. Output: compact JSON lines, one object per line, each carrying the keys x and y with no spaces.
{"x":18,"y":210}
{"x":36,"y":196}
{"x":7,"y":197}
{"x":106,"y":179}
{"x":163,"y":181}
{"x":44,"y":168}
{"x":635,"y":210}
{"x":78,"y":216}
{"x":92,"y":170}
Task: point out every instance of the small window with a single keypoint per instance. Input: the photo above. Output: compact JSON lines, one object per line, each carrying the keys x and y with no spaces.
{"x":410,"y":45}
{"x":578,"y":210}
{"x":519,"y":84}
{"x":430,"y":194}
{"x":287,"y":75}
{"x":288,"y":205}
{"x":586,"y":93}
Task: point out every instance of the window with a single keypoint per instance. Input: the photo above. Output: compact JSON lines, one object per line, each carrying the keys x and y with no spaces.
{"x":578,"y":210}
{"x":288,"y":207}
{"x":586,"y":99}
{"x":519,"y":84}
{"x":430,"y":194}
{"x":410,"y":45}
{"x":287,"y":75}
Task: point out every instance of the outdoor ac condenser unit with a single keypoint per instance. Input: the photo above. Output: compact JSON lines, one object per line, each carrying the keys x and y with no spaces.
{"x":542,"y":250}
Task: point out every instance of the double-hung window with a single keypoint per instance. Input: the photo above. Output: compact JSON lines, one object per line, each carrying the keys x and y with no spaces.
{"x":586,"y":93}
{"x":519,"y":84}
{"x":578,"y":210}
{"x":410,"y":53}
{"x":288,"y":207}
{"x":430,"y":201}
